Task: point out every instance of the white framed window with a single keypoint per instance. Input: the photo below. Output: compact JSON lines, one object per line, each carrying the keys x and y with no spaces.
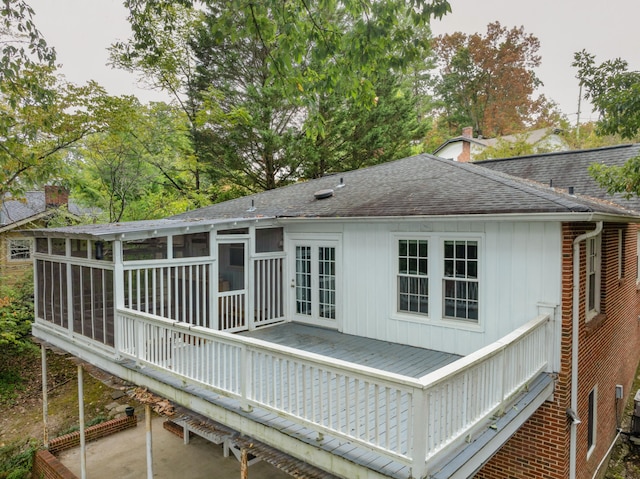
{"x":592,"y":420}
{"x":413,"y":276}
{"x":593,"y":276}
{"x":20,"y":249}
{"x":460,"y":281}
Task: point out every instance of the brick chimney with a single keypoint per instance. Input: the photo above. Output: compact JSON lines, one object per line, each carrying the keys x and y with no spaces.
{"x":55,"y":196}
{"x":465,"y":156}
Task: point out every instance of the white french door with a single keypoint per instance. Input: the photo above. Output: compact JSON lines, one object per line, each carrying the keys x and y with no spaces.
{"x":315,"y":282}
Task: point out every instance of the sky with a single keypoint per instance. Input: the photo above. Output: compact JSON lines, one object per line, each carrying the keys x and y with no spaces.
{"x":82,"y":30}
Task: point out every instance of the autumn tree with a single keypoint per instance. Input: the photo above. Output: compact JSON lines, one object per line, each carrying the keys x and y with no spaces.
{"x":488,"y":81}
{"x":614,"y":91}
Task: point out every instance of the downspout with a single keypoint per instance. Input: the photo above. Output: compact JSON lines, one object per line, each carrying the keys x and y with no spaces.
{"x":574,"y":342}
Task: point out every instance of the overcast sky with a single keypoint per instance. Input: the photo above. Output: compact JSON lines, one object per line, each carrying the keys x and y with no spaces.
{"x":81,"y":31}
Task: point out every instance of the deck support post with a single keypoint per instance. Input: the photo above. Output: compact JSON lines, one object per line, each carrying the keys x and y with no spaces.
{"x":147,"y":420}
{"x":45,"y":398}
{"x":83,"y":450}
{"x":244,"y":463}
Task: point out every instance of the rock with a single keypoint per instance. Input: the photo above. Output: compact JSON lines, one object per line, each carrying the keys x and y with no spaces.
{"x":117,"y":394}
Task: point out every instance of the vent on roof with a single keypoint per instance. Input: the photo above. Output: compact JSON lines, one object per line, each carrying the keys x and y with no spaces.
{"x":322,"y":194}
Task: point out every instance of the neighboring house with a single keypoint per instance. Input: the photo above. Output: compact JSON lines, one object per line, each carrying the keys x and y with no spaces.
{"x":466,"y":148}
{"x":419,"y":318}
{"x":34,"y":210}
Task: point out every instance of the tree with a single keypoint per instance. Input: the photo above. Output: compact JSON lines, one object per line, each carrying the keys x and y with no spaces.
{"x":40,"y":115}
{"x":138,"y":166}
{"x":614,"y":91}
{"x":489,"y":82}
{"x":38,"y":124}
{"x":274,"y":80}
{"x":22,"y":44}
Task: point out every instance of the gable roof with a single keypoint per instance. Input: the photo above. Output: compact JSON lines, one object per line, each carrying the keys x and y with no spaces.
{"x":16,"y":212}
{"x":530,"y":137}
{"x":422,"y":185}
{"x":570,"y":169}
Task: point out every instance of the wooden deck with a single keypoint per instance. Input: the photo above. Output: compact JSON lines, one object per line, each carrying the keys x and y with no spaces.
{"x":391,"y":357}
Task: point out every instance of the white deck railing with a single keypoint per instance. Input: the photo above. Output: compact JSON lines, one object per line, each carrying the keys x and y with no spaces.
{"x":408,"y":420}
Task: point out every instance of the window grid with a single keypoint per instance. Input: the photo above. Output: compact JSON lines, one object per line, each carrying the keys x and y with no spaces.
{"x":19,"y":249}
{"x":461,"y":279}
{"x":303,"y":280}
{"x":413,"y":276}
{"x":327,"y":282}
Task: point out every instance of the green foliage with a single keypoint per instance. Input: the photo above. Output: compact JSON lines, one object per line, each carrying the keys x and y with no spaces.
{"x":615,"y":93}
{"x":613,"y":90}
{"x":16,"y":459}
{"x":22,"y":43}
{"x":140,"y":165}
{"x":507,"y":149}
{"x":16,"y":314}
{"x":278,"y":91}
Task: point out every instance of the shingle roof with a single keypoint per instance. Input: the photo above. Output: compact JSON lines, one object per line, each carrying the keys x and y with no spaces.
{"x":418,"y":185}
{"x":570,"y":168}
{"x":33,"y":203}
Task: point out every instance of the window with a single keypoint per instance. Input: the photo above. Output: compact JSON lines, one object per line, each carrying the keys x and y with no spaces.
{"x":592,"y":421}
{"x":413,"y":276}
{"x":593,"y":277}
{"x":19,"y":249}
{"x":461,"y":279}
{"x":145,"y":249}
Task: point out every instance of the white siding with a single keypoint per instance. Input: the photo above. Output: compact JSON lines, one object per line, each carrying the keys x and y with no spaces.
{"x":520,"y":268}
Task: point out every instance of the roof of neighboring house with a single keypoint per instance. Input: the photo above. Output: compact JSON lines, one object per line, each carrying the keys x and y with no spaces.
{"x":531,"y":137}
{"x":570,"y":168}
{"x":32,"y":206}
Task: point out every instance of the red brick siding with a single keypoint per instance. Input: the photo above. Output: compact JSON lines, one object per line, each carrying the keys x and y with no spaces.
{"x":608,"y":355}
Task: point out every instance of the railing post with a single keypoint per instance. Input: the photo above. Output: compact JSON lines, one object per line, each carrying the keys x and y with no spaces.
{"x":118,"y":295}
{"x":245,"y":380}
{"x":420,"y":430}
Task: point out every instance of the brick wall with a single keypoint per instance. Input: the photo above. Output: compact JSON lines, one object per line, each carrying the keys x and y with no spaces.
{"x":47,"y":466}
{"x":608,"y":355}
{"x":92,"y":433}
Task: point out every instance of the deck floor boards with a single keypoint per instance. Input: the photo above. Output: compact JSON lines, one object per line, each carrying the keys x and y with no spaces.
{"x":391,"y":357}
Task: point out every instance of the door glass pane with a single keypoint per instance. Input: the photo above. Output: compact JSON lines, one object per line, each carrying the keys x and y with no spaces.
{"x":327,"y":282}
{"x":231,"y":269}
{"x":303,"y":280}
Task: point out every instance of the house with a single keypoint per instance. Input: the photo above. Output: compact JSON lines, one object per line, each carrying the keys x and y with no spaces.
{"x":466,"y":148}
{"x":422,"y":318}
{"x":34,"y":210}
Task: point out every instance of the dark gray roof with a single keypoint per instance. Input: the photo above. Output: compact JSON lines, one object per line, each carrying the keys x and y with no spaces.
{"x":418,"y":185}
{"x":570,"y":168}
{"x":32,"y":204}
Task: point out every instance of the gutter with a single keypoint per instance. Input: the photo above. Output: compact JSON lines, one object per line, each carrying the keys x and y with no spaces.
{"x":572,"y":412}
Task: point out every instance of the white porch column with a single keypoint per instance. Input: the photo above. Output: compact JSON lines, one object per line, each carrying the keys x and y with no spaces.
{"x":83,"y":451}
{"x":147,"y":419}
{"x":45,"y":399}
